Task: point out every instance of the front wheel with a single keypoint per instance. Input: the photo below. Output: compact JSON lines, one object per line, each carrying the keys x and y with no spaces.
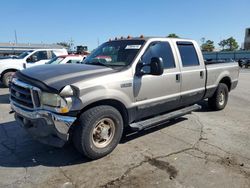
{"x":219,"y":100}
{"x":7,"y":78}
{"x":98,"y":131}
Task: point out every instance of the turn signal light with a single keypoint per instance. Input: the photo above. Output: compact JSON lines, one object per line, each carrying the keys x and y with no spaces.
{"x":63,"y":110}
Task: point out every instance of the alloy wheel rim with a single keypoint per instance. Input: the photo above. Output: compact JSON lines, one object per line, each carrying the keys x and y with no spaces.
{"x":221,"y":98}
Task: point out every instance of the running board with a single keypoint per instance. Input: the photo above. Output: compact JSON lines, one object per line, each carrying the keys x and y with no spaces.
{"x":163,"y":118}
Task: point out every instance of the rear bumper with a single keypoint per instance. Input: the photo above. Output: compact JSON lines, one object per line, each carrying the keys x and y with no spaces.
{"x":44,"y":126}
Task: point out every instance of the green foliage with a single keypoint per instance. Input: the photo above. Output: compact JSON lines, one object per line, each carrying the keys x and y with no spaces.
{"x":208,"y":46}
{"x":173,"y":35}
{"x":64,"y":44}
{"x":229,"y":44}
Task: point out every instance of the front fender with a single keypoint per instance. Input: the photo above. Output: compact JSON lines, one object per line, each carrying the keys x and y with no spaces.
{"x":104,"y":94}
{"x":4,"y":68}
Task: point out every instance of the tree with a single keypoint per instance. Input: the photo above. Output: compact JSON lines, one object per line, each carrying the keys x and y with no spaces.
{"x":64,"y":44}
{"x":232,"y":44}
{"x":203,"y":39}
{"x":229,"y":44}
{"x":207,"y":46}
{"x":222,"y":44}
{"x":173,"y":35}
{"x":69,"y":45}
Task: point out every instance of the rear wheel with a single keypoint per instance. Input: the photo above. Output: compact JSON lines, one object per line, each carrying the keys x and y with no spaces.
{"x":7,"y":78}
{"x":98,"y":131}
{"x":219,"y":100}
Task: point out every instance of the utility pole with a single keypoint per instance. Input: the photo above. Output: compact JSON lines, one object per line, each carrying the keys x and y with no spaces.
{"x":15,"y":37}
{"x":98,"y":42}
{"x":71,"y":44}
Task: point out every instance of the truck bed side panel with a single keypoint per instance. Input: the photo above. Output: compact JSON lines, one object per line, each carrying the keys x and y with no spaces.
{"x":216,"y":72}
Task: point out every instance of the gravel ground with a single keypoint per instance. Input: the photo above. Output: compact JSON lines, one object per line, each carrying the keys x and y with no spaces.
{"x":202,"y":149}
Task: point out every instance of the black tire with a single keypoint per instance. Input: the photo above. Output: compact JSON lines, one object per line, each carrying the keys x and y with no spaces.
{"x":83,"y":133}
{"x":6,"y":78}
{"x":219,"y":100}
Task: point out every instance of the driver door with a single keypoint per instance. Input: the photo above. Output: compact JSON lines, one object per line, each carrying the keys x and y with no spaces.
{"x":37,"y":58}
{"x":157,"y":94}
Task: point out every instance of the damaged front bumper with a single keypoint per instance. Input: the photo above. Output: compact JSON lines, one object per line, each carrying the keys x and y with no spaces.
{"x":44,"y":126}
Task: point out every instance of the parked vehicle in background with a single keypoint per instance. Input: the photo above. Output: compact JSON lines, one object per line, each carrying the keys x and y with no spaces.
{"x":25,"y":60}
{"x":8,"y":57}
{"x":63,"y":59}
{"x":244,"y":63}
{"x":128,"y":83}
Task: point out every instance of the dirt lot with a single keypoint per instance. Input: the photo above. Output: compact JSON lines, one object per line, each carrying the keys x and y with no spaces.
{"x":203,"y":149}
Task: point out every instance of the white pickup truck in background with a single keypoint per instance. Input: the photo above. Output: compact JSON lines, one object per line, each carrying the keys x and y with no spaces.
{"x":27,"y":59}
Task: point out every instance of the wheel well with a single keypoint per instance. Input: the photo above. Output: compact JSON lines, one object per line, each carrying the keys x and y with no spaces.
{"x":8,"y":70}
{"x":227,"y":81}
{"x":114,"y":103}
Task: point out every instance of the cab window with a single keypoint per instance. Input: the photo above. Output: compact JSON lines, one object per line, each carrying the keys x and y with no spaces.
{"x":73,"y":61}
{"x":188,"y":54}
{"x":38,"y":56}
{"x":160,"y":49}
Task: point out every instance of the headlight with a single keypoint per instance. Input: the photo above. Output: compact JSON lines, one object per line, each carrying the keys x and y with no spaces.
{"x":51,"y":99}
{"x":55,"y":102}
{"x":60,"y":103}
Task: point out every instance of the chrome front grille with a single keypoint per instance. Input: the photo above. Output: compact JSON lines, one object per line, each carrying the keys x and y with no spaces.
{"x":24,"y":95}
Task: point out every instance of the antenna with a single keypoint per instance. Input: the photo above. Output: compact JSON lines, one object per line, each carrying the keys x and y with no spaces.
{"x":15,"y":37}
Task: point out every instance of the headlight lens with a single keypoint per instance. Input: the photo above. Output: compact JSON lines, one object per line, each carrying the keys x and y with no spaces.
{"x":51,"y":99}
{"x":60,"y":103}
{"x":55,"y":102}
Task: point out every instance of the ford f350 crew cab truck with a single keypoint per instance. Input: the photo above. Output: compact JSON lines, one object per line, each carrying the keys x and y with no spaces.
{"x":126,"y":83}
{"x":25,"y":60}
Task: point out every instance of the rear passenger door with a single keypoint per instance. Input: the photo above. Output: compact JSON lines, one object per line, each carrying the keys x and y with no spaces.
{"x":157,"y":94}
{"x":193,"y":75}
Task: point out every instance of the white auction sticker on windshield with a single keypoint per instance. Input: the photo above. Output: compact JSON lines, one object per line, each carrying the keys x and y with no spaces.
{"x":134,"y":47}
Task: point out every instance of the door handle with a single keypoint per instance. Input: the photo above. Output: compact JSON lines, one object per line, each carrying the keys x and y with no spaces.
{"x":178,"y":77}
{"x":201,"y":74}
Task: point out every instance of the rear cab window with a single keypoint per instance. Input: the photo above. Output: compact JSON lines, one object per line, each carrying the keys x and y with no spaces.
{"x":188,"y":54}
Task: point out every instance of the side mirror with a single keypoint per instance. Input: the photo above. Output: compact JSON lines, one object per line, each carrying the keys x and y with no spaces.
{"x":28,"y":60}
{"x":138,"y":69}
{"x":32,"y":59}
{"x":156,"y":66}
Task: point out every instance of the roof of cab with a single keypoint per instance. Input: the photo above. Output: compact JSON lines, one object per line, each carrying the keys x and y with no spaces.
{"x":145,"y":38}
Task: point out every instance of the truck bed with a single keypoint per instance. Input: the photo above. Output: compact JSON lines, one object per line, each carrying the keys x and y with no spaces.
{"x":217,"y":71}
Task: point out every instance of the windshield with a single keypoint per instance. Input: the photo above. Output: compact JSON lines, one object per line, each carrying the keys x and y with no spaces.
{"x":24,"y":54}
{"x":115,"y":53}
{"x":55,"y":60}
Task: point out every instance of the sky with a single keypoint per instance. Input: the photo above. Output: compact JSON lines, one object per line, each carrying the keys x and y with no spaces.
{"x":92,"y":22}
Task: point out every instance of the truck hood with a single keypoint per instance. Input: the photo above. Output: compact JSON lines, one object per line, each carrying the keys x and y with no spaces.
{"x":11,"y":61}
{"x":58,"y":76}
